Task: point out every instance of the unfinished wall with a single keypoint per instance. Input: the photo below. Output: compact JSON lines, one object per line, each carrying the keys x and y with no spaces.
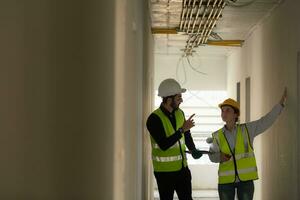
{"x":133,"y":100}
{"x":52,"y":100}
{"x":269,"y":58}
{"x":63,"y":77}
{"x":148,"y":102}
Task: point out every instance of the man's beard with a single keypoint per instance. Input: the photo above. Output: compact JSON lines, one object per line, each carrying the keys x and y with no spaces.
{"x":174,"y":106}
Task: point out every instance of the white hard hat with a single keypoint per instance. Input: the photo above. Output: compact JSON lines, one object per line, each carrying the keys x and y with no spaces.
{"x":169,"y":87}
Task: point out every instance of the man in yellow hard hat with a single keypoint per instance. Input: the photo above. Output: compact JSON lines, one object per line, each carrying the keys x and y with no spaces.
{"x":170,"y":133}
{"x":232,"y":147}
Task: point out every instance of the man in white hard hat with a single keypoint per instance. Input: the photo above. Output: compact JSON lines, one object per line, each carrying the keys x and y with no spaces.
{"x":170,"y":133}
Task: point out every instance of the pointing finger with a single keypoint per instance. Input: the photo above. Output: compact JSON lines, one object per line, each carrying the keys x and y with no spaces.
{"x":191,"y":116}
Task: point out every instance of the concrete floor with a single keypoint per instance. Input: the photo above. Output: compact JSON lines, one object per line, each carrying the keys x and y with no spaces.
{"x":197,"y":195}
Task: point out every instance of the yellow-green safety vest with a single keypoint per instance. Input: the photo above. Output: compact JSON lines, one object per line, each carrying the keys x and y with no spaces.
{"x":242,"y":163}
{"x":174,"y":158}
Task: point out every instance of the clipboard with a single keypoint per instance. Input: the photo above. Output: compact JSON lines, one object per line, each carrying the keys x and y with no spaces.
{"x":201,"y":151}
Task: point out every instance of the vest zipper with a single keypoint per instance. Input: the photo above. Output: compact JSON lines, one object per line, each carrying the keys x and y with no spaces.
{"x":181,"y":154}
{"x":234,"y":161}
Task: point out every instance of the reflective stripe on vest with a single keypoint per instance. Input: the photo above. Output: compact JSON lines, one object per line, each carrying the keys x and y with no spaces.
{"x":241,"y":171}
{"x":176,"y":145}
{"x":174,"y":158}
{"x":243,"y":157}
{"x":167,"y":159}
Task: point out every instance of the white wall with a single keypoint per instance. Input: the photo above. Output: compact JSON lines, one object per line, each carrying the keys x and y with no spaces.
{"x":204,"y":177}
{"x":269,"y":57}
{"x":214,"y":67}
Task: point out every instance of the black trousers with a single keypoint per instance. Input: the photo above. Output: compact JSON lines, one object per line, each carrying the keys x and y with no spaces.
{"x":179,"y":181}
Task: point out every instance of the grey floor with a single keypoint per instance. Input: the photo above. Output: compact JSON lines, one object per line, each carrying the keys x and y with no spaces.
{"x":197,"y":195}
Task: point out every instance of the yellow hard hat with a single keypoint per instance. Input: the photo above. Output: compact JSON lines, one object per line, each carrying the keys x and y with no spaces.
{"x":232,"y":103}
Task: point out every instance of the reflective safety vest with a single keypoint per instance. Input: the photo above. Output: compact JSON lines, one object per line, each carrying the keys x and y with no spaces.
{"x":242,"y":163}
{"x":174,"y":158}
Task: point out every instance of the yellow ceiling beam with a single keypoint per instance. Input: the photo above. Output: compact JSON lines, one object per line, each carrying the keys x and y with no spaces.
{"x":231,"y":43}
{"x":164,"y":31}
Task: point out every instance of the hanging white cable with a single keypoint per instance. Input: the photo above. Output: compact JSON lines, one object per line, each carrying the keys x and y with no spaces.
{"x":193,"y":68}
{"x":183,"y":68}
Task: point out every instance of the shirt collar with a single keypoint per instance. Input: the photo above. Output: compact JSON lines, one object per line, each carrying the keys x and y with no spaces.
{"x":165,"y":110}
{"x":224,"y":129}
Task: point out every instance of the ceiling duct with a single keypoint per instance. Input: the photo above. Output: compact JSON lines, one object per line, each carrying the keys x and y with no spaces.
{"x":191,"y":25}
{"x":198,"y":18}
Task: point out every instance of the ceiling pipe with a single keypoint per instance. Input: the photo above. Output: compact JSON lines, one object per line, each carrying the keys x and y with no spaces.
{"x":188,"y":12}
{"x":222,"y":8}
{"x":210,"y":27}
{"x":197,"y":16}
{"x":210,"y":13}
{"x":205,"y":25}
{"x":187,"y":30}
{"x":182,"y":14}
{"x":193,"y":40}
{"x":206,"y":9}
{"x":191,"y":16}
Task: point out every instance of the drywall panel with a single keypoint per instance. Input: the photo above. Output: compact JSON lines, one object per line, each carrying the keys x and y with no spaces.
{"x":298,"y":128}
{"x":59,"y":98}
{"x":132,"y":100}
{"x":56,"y":107}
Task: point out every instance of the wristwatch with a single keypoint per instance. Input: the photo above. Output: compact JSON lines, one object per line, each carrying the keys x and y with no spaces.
{"x":180,"y":130}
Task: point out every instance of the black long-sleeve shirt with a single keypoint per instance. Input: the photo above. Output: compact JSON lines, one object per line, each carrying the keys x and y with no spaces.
{"x":156,"y":129}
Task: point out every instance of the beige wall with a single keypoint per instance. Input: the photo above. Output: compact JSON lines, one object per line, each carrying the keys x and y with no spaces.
{"x":148,"y":103}
{"x":71,"y":110}
{"x":269,"y":57}
{"x":133,"y":100}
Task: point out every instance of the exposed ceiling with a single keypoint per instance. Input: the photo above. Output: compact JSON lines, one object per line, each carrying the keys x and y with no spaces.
{"x":227,"y":22}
